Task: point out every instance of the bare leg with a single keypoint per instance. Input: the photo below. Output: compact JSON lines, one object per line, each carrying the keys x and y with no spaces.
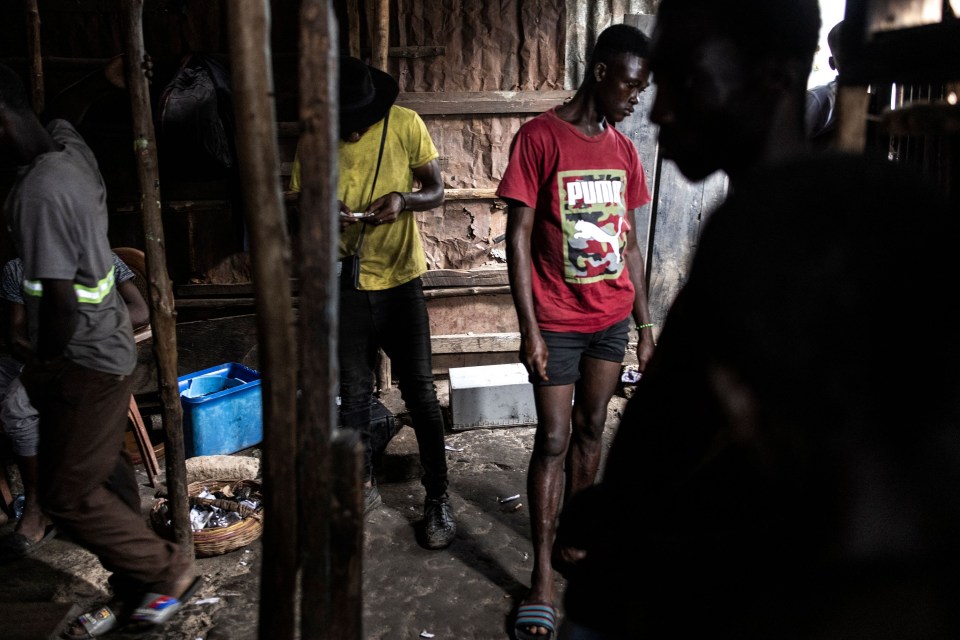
{"x":33,"y":523}
{"x":594,"y":390}
{"x":545,"y":485}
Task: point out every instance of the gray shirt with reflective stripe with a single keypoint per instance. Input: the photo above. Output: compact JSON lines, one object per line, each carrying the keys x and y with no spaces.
{"x":57,"y":211}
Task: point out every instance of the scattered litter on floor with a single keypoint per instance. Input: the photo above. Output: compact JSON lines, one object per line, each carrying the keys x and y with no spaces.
{"x":510,"y":499}
{"x":207,"y":601}
{"x":526,"y":556}
{"x":451,"y":448}
{"x":426,"y":634}
{"x":517,"y":508}
{"x":243,"y":564}
{"x":631,"y":376}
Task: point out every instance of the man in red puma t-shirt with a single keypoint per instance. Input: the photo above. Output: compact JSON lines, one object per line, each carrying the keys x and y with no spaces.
{"x":573,"y":185}
{"x":582,"y":190}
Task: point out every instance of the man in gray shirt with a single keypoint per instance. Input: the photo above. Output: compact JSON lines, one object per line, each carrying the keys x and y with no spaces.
{"x":19,"y":419}
{"x":79,"y":375}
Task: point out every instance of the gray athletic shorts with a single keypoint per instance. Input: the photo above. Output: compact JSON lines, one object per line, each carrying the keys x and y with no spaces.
{"x":567,"y":348}
{"x":18,"y":419}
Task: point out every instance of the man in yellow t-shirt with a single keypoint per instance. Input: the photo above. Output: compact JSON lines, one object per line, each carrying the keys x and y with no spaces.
{"x":383,"y":150}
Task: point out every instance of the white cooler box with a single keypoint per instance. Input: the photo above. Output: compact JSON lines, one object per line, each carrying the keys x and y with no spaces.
{"x":498,"y":395}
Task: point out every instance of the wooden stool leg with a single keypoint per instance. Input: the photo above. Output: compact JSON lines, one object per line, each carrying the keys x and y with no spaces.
{"x":384,"y":373}
{"x":143,"y":443}
{"x":6,"y":496}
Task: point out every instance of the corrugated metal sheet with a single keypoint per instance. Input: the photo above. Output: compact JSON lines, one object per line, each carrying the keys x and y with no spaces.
{"x":586,"y":19}
{"x":505,"y":44}
{"x":502,"y":45}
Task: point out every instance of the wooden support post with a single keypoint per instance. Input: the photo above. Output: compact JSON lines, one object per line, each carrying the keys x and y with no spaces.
{"x":330,"y":554}
{"x":159,"y":288}
{"x":853,"y":105}
{"x":380,"y":42}
{"x":259,"y":166}
{"x":346,"y":536}
{"x":353,"y":29}
{"x":35,"y":56}
{"x":384,"y":372}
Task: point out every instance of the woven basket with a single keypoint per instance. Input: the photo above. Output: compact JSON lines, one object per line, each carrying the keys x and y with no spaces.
{"x":219,"y":540}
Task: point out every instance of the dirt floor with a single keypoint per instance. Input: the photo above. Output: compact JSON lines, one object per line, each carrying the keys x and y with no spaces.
{"x":465,"y":591}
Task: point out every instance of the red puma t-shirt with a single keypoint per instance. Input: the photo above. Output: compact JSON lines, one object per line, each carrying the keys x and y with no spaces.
{"x":581,"y":188}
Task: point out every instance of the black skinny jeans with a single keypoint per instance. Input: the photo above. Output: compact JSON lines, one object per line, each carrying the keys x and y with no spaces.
{"x":396,"y":321}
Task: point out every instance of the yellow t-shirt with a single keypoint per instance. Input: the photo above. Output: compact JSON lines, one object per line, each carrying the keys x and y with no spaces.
{"x":391,"y":254}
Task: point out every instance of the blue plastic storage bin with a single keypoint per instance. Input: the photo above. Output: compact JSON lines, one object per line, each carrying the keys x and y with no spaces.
{"x":222,"y":410}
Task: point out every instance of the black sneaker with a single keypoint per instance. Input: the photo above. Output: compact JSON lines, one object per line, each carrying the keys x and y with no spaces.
{"x":439,"y":526}
{"x":371,"y":499}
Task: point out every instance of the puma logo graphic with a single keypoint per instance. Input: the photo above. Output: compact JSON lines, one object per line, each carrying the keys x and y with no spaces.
{"x":586,"y":192}
{"x":591,"y":231}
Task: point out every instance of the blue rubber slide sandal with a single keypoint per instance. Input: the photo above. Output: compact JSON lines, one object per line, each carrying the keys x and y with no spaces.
{"x":534,"y":615}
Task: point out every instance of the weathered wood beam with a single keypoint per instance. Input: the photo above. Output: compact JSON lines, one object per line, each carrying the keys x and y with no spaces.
{"x":469,"y":194}
{"x":159,"y":287}
{"x":430,"y":103}
{"x":891,"y":15}
{"x":920,"y":54}
{"x":475,"y":343}
{"x":922,"y":119}
{"x":353,"y":29}
{"x":258,"y":161}
{"x":34,"y":55}
{"x":464,"y":291}
{"x":465,"y":278}
{"x":234,"y":290}
{"x":291,"y":196}
{"x":177,"y":206}
{"x":216,"y":303}
{"x":223,"y":303}
{"x":489,"y":277}
{"x":853,"y":102}
{"x":451,"y":278}
{"x":380,"y":34}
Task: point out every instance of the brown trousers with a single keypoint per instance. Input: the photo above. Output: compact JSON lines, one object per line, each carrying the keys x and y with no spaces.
{"x":87,"y":482}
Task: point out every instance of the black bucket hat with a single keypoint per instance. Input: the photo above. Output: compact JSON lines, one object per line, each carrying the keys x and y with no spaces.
{"x":366,"y":94}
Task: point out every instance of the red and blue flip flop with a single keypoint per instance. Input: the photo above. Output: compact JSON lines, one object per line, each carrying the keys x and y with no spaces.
{"x":157,"y":608}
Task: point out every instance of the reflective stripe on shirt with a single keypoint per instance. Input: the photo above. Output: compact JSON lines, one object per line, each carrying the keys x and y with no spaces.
{"x":88,"y":295}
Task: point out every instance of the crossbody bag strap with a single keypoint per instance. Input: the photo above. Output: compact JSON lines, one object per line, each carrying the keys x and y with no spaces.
{"x":373,"y":188}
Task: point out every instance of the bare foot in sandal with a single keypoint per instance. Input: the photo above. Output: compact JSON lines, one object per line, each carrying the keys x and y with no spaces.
{"x":162,"y":603}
